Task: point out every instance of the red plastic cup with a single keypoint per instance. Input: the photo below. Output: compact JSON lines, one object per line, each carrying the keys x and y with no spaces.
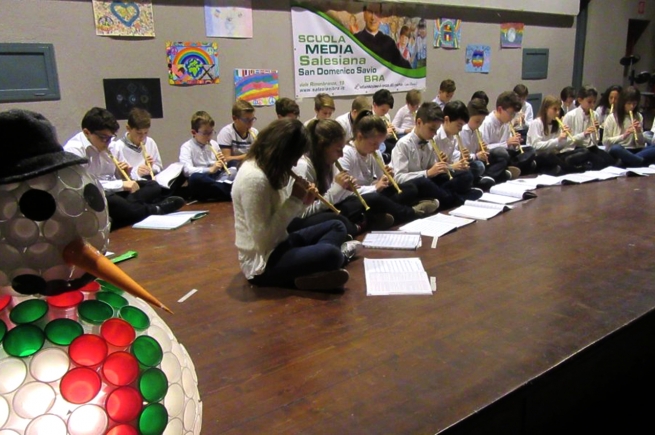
{"x":118,"y":333}
{"x":123,"y":429}
{"x":120,"y":369}
{"x":80,"y":385}
{"x":88,"y":350}
{"x":124,"y":404}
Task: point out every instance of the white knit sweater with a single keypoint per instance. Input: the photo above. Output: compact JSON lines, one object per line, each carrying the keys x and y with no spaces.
{"x":261,"y":216}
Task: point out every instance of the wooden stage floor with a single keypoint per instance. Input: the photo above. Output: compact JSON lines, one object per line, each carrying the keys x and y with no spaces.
{"x":517,"y":297}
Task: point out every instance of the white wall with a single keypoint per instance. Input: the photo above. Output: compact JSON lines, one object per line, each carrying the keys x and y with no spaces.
{"x":84,"y":59}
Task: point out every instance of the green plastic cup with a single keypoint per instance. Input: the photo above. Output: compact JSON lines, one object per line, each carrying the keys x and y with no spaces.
{"x":29,"y":311}
{"x":114,"y":299}
{"x":153,"y":419}
{"x":153,"y":385}
{"x":147,"y":351}
{"x":63,"y":331}
{"x":23,"y":341}
{"x":94,"y":312}
{"x":135,"y":317}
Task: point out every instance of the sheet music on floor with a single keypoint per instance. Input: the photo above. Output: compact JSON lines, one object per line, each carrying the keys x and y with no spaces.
{"x":515,"y":190}
{"x":428,"y":227}
{"x":479,"y":210}
{"x":498,"y":199}
{"x":392,"y":240}
{"x":396,"y":276}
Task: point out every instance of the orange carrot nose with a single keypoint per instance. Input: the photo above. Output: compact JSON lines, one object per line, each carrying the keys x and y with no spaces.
{"x":81,"y":254}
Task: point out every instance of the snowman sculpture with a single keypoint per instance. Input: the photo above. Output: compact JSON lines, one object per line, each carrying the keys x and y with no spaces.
{"x":77,"y":356}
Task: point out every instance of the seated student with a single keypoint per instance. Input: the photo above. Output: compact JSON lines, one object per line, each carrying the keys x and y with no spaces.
{"x":404,"y":122}
{"x":446,"y":91}
{"x":495,"y":161}
{"x":382,"y":104}
{"x":317,"y":167}
{"x":496,"y":133}
{"x":568,"y":100}
{"x":287,"y":108}
{"x":585,"y":130}
{"x":481,"y":95}
{"x":236,"y":138}
{"x":624,"y":137}
{"x":448,"y":140}
{"x":374,"y":186}
{"x":524,"y":116}
{"x":414,"y":159}
{"x":128,"y":201}
{"x":348,"y":119}
{"x":308,"y":259}
{"x":607,"y":102}
{"x":323,"y":107}
{"x":204,"y":165}
{"x":555,"y":151}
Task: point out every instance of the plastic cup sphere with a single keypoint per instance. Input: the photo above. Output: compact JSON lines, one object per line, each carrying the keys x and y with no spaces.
{"x":66,"y":300}
{"x":29,"y":311}
{"x":117,"y":332}
{"x":147,"y":351}
{"x":13,"y":372}
{"x":153,"y":419}
{"x":135,"y":317}
{"x":122,"y":429}
{"x":187,"y":381}
{"x":87,"y":420}
{"x":115,"y":300}
{"x":80,"y":385}
{"x":88,"y":350}
{"x":49,"y":365}
{"x":94,"y":312}
{"x":23,"y":341}
{"x":62,"y":332}
{"x":171,"y":366}
{"x":120,"y":368}
{"x":46,"y":424}
{"x":33,"y":399}
{"x":153,"y":385}
{"x":124,"y":404}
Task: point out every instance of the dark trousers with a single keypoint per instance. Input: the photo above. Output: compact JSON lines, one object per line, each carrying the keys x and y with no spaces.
{"x":351,"y":209}
{"x":310,"y":250}
{"x":633,"y":157}
{"x":127,"y":208}
{"x":204,"y":187}
{"x":449,"y":192}
{"x":498,"y":163}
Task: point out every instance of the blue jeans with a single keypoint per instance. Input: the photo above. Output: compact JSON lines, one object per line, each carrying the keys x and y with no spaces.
{"x":633,"y":157}
{"x":305,"y":252}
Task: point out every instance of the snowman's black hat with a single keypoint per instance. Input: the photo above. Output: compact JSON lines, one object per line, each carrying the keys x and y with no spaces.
{"x":29,"y":147}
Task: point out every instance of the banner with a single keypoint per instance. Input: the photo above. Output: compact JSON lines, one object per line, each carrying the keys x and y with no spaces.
{"x":356,"y":48}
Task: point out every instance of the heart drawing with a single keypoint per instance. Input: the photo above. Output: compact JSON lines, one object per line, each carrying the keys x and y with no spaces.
{"x":127,"y":13}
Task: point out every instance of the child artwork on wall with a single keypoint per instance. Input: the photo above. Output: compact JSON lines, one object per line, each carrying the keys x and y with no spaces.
{"x":228,"y":18}
{"x":511,"y":35}
{"x":478,"y":58}
{"x":123,"y":18}
{"x":447,"y":33}
{"x":257,"y":86}
{"x":192,"y":63}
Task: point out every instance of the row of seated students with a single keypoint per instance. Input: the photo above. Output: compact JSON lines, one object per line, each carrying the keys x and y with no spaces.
{"x":450,"y":155}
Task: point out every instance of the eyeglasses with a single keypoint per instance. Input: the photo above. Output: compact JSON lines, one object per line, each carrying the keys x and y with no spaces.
{"x":248,"y":120}
{"x":104,"y":138}
{"x":207,"y":133}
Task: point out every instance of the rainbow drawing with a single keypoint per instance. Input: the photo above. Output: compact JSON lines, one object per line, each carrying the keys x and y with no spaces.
{"x":511,"y":35}
{"x":258,"y":86}
{"x":192,"y":63}
{"x":447,"y":33}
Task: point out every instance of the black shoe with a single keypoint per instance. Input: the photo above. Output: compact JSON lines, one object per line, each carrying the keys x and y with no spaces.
{"x":321,"y":281}
{"x":169,"y":205}
{"x":485,"y":183}
{"x":378,"y":221}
